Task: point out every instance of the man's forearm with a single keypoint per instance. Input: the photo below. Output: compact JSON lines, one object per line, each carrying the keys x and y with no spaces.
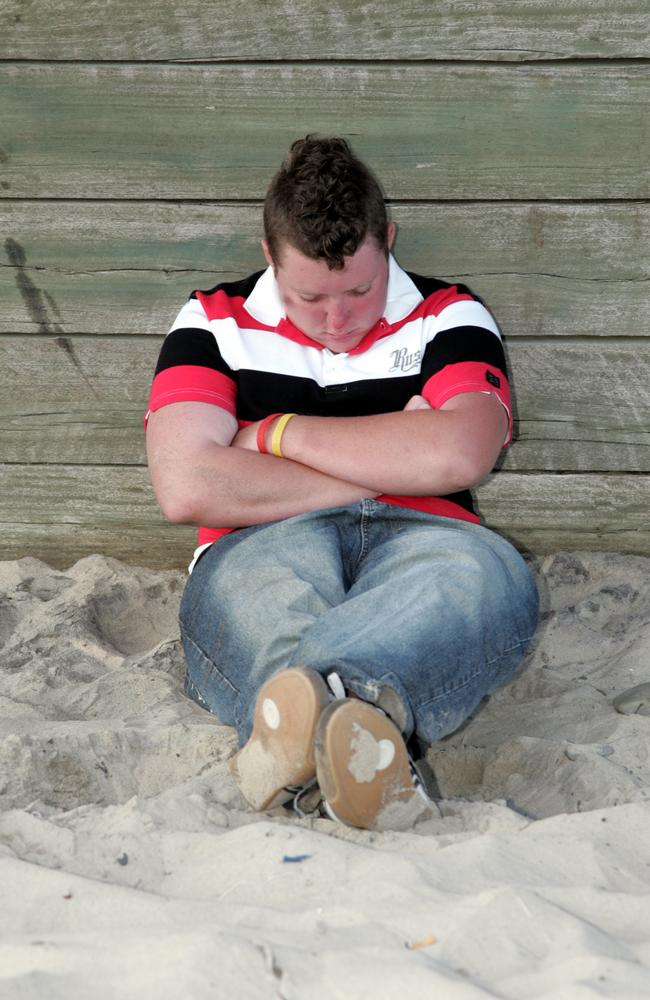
{"x":231,"y":487}
{"x":418,"y":452}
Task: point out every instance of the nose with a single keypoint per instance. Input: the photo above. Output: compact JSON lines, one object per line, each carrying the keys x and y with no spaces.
{"x":337,"y":316}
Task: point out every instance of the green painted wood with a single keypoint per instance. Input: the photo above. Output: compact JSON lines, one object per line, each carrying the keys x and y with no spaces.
{"x":106,"y":268}
{"x":430,"y":131}
{"x":580,"y":405}
{"x":61,"y":513}
{"x":340,"y":29}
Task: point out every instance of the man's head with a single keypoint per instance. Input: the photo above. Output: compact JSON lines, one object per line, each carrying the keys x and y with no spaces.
{"x":327,"y":239}
{"x":324,"y":202}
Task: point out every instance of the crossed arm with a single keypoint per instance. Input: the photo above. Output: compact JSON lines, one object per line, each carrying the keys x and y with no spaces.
{"x":205,"y":471}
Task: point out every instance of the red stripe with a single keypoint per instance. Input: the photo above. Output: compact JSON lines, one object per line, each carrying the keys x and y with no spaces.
{"x":219,"y":305}
{"x":432,"y":505}
{"x":431,"y":306}
{"x":212,"y":534}
{"x":289,"y":330}
{"x":195,"y":383}
{"x":435,"y":303}
{"x":468,"y":376}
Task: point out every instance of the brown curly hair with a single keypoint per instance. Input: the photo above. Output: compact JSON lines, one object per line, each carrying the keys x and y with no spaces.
{"x":324,"y":201}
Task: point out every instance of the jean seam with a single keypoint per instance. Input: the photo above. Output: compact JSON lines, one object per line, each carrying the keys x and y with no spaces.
{"x":471,"y":677}
{"x":509,"y":649}
{"x":364,"y":518}
{"x":213,"y":667}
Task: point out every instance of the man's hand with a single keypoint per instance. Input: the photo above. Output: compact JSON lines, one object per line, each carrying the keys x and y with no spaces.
{"x":417,"y":403}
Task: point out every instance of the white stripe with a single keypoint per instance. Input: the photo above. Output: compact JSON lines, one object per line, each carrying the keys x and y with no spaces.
{"x":466,"y":313}
{"x":197,"y":553}
{"x":394,"y":356}
{"x":265,"y":351}
{"x":193,"y":315}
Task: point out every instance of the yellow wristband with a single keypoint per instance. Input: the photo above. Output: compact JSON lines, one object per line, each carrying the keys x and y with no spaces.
{"x":278,"y":431}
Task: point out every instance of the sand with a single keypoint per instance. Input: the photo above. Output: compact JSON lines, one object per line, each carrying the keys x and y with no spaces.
{"x":131,"y":867}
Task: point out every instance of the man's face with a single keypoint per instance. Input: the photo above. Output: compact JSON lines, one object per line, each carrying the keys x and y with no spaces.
{"x":334,"y":308}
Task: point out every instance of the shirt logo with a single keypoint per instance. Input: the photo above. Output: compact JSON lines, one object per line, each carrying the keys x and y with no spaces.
{"x":403,"y":361}
{"x":493,"y":379}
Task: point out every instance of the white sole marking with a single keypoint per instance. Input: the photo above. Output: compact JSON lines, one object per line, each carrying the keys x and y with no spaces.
{"x":368,"y":755}
{"x":386,"y":754}
{"x":271,"y":713}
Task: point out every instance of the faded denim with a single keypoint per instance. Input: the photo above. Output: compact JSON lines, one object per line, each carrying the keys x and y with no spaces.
{"x":437,"y":609}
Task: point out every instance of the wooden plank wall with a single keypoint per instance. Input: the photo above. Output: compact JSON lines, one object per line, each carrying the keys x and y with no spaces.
{"x":136,"y":143}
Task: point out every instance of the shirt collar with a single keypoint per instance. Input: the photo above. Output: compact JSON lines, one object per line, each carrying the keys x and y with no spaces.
{"x":402,"y":296}
{"x":265,"y":305}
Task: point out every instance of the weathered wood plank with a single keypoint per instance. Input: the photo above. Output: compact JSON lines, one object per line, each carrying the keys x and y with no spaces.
{"x":340,"y":29}
{"x":544,"y":513}
{"x":62,"y":513}
{"x":581,"y":405}
{"x":76,"y":433}
{"x":430,"y":131}
{"x":545,"y":269}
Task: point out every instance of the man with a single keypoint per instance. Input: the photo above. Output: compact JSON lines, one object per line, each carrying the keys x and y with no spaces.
{"x":324,"y":420}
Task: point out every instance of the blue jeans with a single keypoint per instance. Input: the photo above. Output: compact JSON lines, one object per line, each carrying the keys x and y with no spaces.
{"x":439,"y":610}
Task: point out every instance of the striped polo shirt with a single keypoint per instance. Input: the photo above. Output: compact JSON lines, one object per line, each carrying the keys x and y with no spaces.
{"x":235,"y":347}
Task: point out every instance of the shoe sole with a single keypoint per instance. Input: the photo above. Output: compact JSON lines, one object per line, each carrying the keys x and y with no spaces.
{"x":361,"y":764}
{"x":280,"y":749}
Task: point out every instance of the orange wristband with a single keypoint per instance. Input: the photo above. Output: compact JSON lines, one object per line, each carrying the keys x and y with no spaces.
{"x":262,"y":428}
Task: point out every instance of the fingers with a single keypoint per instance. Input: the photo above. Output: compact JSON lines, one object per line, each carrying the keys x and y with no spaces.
{"x":417,"y":403}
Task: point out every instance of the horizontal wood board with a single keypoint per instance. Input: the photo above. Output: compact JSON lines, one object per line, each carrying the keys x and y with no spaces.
{"x":545,"y":269}
{"x":110,"y":147}
{"x":62,"y":513}
{"x":76,"y":400}
{"x":340,"y":29}
{"x":430,"y":131}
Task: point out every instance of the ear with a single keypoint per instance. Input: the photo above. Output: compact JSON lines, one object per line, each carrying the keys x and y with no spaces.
{"x":267,"y":255}
{"x":391,"y":230}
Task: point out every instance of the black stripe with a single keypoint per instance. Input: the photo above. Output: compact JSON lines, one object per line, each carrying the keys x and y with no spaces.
{"x":429,"y":286}
{"x":261,"y":393}
{"x":191,"y":346}
{"x":462,"y":343}
{"x":233,"y":289}
{"x":464,"y":499}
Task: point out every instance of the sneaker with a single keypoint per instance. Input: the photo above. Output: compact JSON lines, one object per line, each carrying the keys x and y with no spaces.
{"x":363,"y":769}
{"x":279,"y":755}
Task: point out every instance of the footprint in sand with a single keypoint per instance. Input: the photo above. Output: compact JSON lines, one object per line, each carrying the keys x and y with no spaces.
{"x":634,"y":701}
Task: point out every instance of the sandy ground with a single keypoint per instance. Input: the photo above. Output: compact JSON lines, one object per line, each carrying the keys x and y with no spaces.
{"x":130,"y":866}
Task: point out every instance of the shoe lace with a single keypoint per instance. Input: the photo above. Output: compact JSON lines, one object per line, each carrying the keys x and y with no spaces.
{"x":335,"y":684}
{"x":295,"y":805}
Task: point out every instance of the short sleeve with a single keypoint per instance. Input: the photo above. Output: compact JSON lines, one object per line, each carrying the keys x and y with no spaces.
{"x":190,"y":366}
{"x":466,"y":355}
